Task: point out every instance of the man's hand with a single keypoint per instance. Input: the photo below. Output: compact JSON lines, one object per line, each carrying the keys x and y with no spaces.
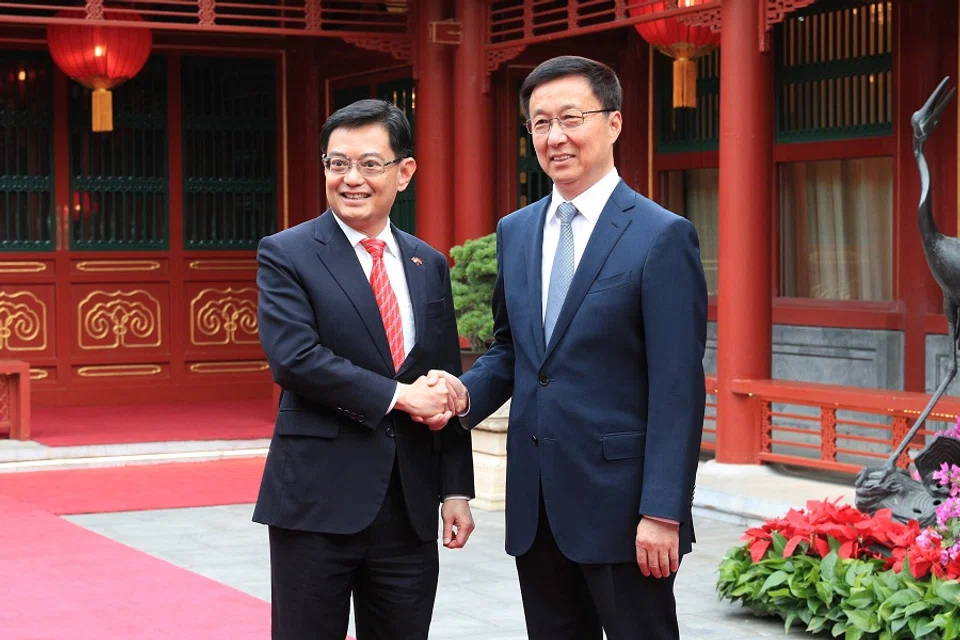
{"x":459,"y":399}
{"x":457,"y":522}
{"x":658,"y":547}
{"x":423,"y":401}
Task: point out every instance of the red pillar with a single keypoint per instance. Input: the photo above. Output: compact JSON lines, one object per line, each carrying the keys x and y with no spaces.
{"x":473,"y":137}
{"x":746,"y":164}
{"x":434,"y":131}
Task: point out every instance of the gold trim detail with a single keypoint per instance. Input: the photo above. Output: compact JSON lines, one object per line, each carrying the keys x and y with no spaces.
{"x":228,"y":319}
{"x":116,"y":370}
{"x":223,"y":264}
{"x":239,"y":366}
{"x":21,"y":322}
{"x":39,"y":374}
{"x":22,"y":267}
{"x":132,"y":317}
{"x":100,"y":266}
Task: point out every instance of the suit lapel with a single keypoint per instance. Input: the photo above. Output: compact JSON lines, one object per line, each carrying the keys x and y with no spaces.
{"x":340,"y":259}
{"x":610,"y":226}
{"x":417,"y":285}
{"x":534,"y":258}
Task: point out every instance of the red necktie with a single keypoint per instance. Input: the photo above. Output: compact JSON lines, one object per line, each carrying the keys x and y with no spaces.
{"x":386,"y":300}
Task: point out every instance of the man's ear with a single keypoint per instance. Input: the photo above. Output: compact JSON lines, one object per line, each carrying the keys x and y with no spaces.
{"x":408,"y":166}
{"x":615,"y":125}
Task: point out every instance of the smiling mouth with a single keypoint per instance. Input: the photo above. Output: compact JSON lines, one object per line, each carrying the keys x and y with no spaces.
{"x":562,"y":157}
{"x":355,"y":196}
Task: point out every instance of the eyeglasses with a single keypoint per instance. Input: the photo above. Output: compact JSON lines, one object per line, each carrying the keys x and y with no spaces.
{"x":569,"y":120}
{"x":367,"y":167}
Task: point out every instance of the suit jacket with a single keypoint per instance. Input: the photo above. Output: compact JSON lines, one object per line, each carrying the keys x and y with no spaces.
{"x":334,"y":443}
{"x":607,"y":417}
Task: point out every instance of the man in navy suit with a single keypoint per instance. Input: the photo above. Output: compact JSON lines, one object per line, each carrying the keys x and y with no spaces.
{"x":600,"y":311}
{"x":353,"y":312}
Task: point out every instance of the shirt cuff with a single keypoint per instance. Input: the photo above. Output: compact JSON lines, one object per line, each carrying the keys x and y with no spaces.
{"x":668,"y":520}
{"x":396,"y":396}
{"x":455,"y":497}
{"x":466,"y":411}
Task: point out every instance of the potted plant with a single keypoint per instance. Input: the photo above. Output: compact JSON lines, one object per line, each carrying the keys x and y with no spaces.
{"x":472,"y":276}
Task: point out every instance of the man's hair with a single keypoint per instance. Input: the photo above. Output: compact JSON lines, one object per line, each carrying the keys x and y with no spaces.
{"x":367,"y":112}
{"x":603,"y":81}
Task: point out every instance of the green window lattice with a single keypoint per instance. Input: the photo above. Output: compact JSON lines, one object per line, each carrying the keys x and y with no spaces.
{"x":229,"y":152}
{"x":27,"y":216}
{"x":118,"y":179}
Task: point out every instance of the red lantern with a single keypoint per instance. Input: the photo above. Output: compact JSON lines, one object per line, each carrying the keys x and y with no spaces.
{"x":681,"y":42}
{"x":99,"y":56}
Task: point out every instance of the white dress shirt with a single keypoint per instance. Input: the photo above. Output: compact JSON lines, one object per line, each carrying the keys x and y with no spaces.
{"x":393,"y":263}
{"x":590,"y":204}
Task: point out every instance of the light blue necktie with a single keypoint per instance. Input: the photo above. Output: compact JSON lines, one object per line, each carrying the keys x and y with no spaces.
{"x":562,"y":273}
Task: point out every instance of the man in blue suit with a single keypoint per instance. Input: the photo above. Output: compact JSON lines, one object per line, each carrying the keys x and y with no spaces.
{"x":600,"y":311}
{"x":353,"y":312}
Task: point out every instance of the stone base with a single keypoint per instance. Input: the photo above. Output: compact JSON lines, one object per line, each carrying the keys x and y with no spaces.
{"x":490,"y":460}
{"x":490,"y":479}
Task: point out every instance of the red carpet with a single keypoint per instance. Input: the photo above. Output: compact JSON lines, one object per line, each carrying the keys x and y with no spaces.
{"x":134,"y":488}
{"x":62,"y":581}
{"x":238,"y":420}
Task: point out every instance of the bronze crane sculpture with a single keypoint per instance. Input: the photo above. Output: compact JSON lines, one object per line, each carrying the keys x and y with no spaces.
{"x":888,"y":486}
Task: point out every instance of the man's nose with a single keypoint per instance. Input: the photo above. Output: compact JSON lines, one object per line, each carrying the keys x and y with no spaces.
{"x":556,"y":135}
{"x":353,"y":175}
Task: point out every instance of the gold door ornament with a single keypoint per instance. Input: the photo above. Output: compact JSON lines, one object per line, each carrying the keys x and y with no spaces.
{"x":224,"y":316}
{"x":23,"y":322}
{"x":129,"y":319}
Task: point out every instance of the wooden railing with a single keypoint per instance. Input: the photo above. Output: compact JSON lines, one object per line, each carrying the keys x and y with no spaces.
{"x":709,"y":441}
{"x":833,"y":427}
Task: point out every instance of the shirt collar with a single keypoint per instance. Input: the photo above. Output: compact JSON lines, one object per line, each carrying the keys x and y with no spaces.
{"x":591,"y":202}
{"x":354,"y":237}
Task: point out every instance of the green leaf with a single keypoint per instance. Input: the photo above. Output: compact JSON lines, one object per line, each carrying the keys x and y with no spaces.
{"x":853,"y":633}
{"x":779,"y":544}
{"x":949,"y":591}
{"x":788,"y":621}
{"x":916,"y":607}
{"x":865,"y":620}
{"x":828,"y":567}
{"x":929,"y":626}
{"x":775,"y":580}
{"x":816,"y":624}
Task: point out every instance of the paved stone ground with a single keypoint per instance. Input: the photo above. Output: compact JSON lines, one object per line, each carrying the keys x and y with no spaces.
{"x":478,"y":597}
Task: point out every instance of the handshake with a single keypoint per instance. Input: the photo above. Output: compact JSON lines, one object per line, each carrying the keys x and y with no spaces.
{"x":433,"y":399}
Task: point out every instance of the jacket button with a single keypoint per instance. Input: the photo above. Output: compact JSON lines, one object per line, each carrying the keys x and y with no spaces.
{"x":390,"y":432}
{"x":544,"y":381}
{"x":534,"y":438}
{"x":361,"y":418}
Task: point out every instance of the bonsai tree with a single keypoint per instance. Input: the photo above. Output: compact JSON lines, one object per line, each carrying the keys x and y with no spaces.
{"x":472,"y":278}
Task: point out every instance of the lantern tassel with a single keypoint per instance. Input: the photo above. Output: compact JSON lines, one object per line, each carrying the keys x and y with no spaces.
{"x":684,"y":83}
{"x":102,"y":110}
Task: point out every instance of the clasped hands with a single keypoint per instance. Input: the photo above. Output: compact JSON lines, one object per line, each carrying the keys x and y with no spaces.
{"x":433,"y":399}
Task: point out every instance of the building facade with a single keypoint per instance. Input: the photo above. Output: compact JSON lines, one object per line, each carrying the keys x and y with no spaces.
{"x":127,"y":258}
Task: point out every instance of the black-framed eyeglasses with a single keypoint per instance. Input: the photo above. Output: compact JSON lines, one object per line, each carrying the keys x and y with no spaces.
{"x":569,"y":120}
{"x":367,"y":167}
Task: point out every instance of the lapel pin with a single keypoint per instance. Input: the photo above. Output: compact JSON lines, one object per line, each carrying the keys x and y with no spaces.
{"x":417,"y":261}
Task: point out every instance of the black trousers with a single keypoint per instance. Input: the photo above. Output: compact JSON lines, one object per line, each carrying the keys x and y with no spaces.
{"x":564,"y":600}
{"x":391,"y":573}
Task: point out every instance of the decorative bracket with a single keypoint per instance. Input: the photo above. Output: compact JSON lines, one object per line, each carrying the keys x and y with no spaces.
{"x":208,"y":12}
{"x":497,"y":57}
{"x":771,"y":11}
{"x":94,"y":9}
{"x":400,"y":48}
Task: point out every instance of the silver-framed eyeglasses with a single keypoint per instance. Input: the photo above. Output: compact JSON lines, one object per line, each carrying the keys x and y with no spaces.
{"x":570,"y":120}
{"x":367,"y":166}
